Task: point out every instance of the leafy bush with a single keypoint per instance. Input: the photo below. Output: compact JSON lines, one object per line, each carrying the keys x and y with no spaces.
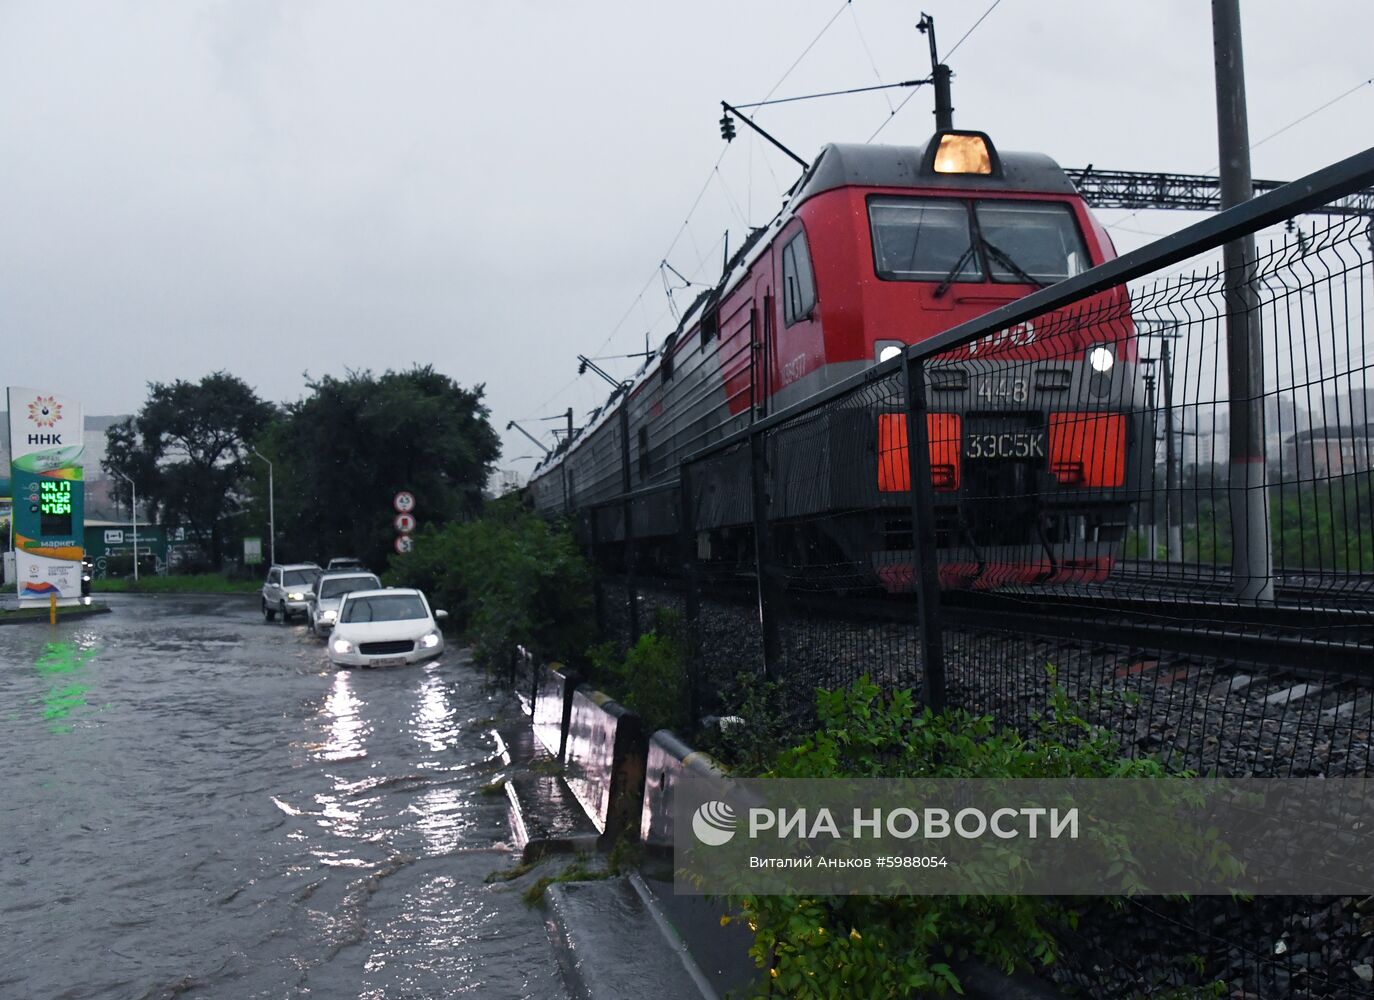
{"x":894,"y":946}
{"x":652,"y":677}
{"x":510,"y":578}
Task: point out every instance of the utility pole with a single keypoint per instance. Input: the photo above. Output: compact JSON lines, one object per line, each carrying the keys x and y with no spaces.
{"x":1152,"y":405}
{"x":1252,"y":559}
{"x":271,"y":512}
{"x":940,"y":75}
{"x":133,"y":511}
{"x":1173,"y":500}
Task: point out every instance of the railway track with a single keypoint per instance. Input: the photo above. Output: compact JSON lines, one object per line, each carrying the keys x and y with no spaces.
{"x":1238,"y":698}
{"x":1307,"y":640}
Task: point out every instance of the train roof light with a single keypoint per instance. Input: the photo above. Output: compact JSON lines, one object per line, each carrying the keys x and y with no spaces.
{"x":964,"y":153}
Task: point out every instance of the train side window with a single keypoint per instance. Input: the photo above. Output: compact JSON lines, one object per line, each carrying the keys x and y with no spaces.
{"x":665,"y":366}
{"x":644,"y":453}
{"x":799,"y":282}
{"x":710,"y":324}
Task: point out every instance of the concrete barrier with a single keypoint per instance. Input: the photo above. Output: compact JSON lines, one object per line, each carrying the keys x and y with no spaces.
{"x":552,"y":707}
{"x":668,"y":759}
{"x":603,"y":761}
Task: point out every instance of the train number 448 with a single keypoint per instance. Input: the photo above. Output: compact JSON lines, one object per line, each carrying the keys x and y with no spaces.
{"x":999,"y":389}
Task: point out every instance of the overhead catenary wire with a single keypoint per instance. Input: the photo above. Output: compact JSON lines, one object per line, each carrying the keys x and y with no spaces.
{"x":962,"y":38}
{"x":974,"y":27}
{"x":1314,"y":111}
{"x":832,"y":93}
{"x":810,"y":45}
{"x":1118,"y":224}
{"x":873,"y":63}
{"x":638,"y":301}
{"x":696,"y":202}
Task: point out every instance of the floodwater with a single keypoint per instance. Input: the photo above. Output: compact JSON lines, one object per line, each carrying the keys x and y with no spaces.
{"x":193,"y":803}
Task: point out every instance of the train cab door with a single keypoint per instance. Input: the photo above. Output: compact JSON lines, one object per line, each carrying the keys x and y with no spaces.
{"x":762,"y":329}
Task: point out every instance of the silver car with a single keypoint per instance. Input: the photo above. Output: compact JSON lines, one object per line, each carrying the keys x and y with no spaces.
{"x":286,"y":589}
{"x":328,"y":592}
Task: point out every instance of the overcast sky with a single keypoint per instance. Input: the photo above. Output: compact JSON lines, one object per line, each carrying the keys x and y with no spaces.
{"x":276,"y":188}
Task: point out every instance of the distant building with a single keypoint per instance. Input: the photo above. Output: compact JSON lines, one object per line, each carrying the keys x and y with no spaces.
{"x":1326,"y":452}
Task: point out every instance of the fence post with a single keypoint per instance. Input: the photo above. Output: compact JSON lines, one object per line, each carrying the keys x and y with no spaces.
{"x":926,"y":575}
{"x":770,"y":603}
{"x":691,"y":595}
{"x":627,"y":514}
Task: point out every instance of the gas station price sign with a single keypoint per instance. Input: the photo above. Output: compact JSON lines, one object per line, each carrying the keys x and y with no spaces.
{"x":55,"y":506}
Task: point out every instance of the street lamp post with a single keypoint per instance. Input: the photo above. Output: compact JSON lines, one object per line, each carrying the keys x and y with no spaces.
{"x":271,"y":512}
{"x":133,"y":512}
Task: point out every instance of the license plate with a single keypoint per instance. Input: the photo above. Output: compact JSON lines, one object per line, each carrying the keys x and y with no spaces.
{"x":390,"y":661}
{"x":1005,"y":444}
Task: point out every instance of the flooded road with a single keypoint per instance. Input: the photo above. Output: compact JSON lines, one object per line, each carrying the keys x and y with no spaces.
{"x":195,"y":804}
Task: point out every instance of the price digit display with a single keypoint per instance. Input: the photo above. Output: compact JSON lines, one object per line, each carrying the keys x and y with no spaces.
{"x":55,"y":506}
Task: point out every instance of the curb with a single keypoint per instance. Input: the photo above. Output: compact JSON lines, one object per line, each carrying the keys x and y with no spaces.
{"x":40,"y":615}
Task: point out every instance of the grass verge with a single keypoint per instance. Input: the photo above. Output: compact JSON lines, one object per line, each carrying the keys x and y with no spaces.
{"x":199,"y":583}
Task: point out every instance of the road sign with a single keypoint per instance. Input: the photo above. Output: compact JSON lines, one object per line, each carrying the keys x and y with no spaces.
{"x":405,"y":523}
{"x":403,"y":502}
{"x":404,"y":543}
{"x":252,"y":551}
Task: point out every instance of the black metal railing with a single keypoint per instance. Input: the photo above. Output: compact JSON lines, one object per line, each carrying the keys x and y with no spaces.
{"x":1151,"y":484}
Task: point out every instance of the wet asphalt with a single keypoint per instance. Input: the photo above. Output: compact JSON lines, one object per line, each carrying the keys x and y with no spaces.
{"x":195,"y":804}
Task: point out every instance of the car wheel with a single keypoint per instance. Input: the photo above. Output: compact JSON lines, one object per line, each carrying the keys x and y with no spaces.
{"x":285,"y":615}
{"x":314,"y":629}
{"x":267,"y":613}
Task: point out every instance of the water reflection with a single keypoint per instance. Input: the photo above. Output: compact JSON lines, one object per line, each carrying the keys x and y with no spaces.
{"x":62,"y":699}
{"x":443,"y":817}
{"x":347,"y":728}
{"x":434,"y":726}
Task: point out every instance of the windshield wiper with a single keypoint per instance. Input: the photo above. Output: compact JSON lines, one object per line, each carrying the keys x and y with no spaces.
{"x":953,"y":271}
{"x":1016,"y":269}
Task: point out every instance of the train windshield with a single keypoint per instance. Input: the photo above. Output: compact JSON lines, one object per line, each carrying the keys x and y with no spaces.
{"x":1035,"y":239}
{"x":927,"y":239}
{"x":922,"y":239}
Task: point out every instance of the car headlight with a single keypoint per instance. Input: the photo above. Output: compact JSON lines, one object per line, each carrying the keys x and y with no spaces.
{"x":295,"y":597}
{"x":1101,"y":359}
{"x":341,"y":646}
{"x":329,"y":615}
{"x":430,"y":640}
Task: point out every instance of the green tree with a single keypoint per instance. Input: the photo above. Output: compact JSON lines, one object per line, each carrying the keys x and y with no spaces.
{"x":508,"y":578}
{"x":186,"y":451}
{"x":348,"y":447}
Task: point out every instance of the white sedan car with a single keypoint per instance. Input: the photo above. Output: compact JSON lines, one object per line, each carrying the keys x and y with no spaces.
{"x":385,"y":628}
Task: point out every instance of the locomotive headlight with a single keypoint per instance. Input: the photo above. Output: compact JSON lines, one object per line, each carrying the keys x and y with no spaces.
{"x":886,"y":350}
{"x":1102,"y":359}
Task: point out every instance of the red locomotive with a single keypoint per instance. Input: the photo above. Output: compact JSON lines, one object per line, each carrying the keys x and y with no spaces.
{"x":882,"y":246}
